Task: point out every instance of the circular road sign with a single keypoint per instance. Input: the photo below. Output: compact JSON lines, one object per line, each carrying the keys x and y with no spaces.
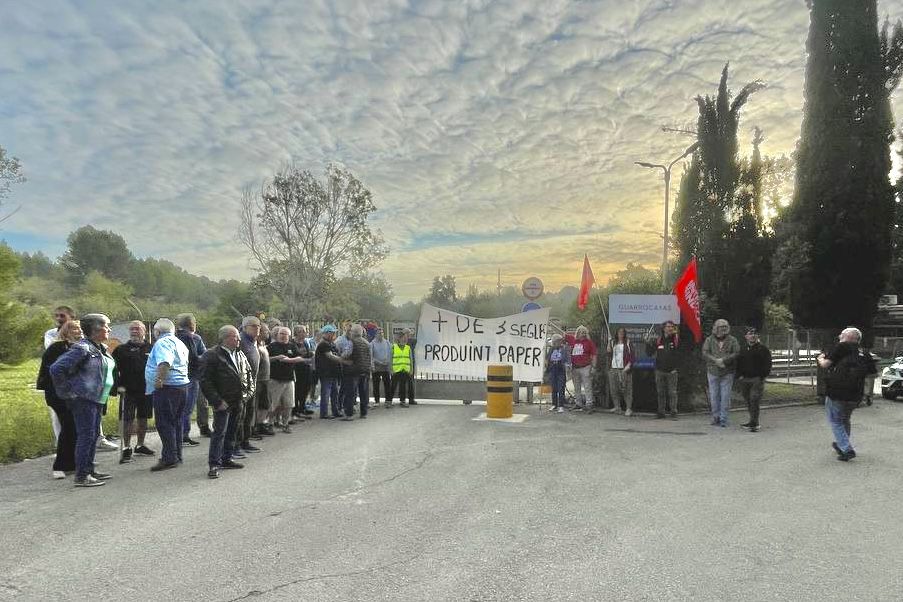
{"x":532,"y":288}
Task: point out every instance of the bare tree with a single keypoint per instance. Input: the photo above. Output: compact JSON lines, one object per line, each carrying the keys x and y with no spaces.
{"x":302,"y":232}
{"x":10,"y":173}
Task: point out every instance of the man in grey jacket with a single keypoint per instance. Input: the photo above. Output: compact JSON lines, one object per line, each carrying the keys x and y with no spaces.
{"x":720,"y":351}
{"x":381,"y":354}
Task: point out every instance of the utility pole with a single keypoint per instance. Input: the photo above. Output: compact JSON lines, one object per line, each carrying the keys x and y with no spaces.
{"x":667,"y":170}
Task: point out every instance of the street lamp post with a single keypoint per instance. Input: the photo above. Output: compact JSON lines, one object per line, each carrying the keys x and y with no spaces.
{"x":667,"y":170}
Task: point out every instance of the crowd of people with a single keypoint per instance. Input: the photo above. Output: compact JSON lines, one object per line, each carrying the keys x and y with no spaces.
{"x":848,"y":374}
{"x":262,"y":378}
{"x":256,"y":380}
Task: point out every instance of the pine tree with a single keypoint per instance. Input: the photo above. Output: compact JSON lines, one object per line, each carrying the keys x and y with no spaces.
{"x":843,"y":204}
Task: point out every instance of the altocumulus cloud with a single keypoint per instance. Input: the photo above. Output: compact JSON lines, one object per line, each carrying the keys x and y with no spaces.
{"x":493,"y":134}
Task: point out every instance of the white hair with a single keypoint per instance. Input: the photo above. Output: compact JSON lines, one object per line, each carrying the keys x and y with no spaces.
{"x":164,"y":325}
{"x":226,"y":331}
{"x":854,"y":333}
{"x":279,"y":329}
{"x":357,"y":330}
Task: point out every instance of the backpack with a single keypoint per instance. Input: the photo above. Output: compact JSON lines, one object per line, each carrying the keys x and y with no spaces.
{"x":845,"y":380}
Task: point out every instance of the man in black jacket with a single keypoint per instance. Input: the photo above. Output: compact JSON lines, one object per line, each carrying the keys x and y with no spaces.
{"x":228,"y":383}
{"x":843,"y":388}
{"x":128,"y":383}
{"x":753,"y":367}
{"x":666,"y":352}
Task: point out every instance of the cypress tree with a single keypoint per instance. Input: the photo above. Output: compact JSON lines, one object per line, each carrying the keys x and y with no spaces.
{"x":843,"y":203}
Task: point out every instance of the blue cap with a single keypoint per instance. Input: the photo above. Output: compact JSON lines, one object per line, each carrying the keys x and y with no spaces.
{"x":328,"y":328}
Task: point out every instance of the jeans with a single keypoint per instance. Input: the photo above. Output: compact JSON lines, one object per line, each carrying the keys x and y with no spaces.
{"x":222,"y":439}
{"x":347,"y":391}
{"x":558,"y":378}
{"x":583,"y":377}
{"x":356,"y":384}
{"x":382,"y":375}
{"x":839,"y":413}
{"x":751,"y":388}
{"x":720,"y":396}
{"x":191,"y":398}
{"x":65,"y":441}
{"x":169,"y":405}
{"x":329,"y":395}
{"x":620,"y":385}
{"x":86,"y":415}
{"x":666,"y":391}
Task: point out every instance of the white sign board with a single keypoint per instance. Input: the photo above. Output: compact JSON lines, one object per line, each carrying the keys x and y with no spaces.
{"x":532,"y":288}
{"x":643,"y":309}
{"x":459,"y":345}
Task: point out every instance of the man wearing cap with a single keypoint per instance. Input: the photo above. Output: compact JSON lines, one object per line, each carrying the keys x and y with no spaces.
{"x":329,"y":370}
{"x":753,"y":367}
{"x":720,"y":351}
{"x":250,"y":332}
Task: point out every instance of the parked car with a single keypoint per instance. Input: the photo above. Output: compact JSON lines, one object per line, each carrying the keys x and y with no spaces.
{"x":892,"y":380}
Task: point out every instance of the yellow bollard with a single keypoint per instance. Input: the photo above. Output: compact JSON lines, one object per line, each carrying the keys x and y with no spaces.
{"x":499,"y":391}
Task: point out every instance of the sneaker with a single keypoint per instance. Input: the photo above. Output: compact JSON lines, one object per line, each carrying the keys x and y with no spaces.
{"x":577,"y":409}
{"x":239,"y":454}
{"x":754,"y":428}
{"x":287,"y":429}
{"x":293,"y":421}
{"x":105,"y":445}
{"x":837,"y":448}
{"x":205,"y":431}
{"x":673,"y":415}
{"x":553,"y":409}
{"x":88,"y":481}
{"x":307,"y":412}
{"x":723,"y":424}
{"x":144,"y":450}
{"x":161,"y":465}
{"x":58,"y":474}
{"x":255,"y":437}
{"x":126,"y":456}
{"x":213,"y":473}
{"x":363,"y":416}
{"x":231,"y":464}
{"x":327,"y":417}
{"x":847,"y":456}
{"x":101,"y":476}
{"x":251,"y":449}
{"x":628,"y":413}
{"x":267,"y":429}
{"x":560,"y":410}
{"x":188,"y":441}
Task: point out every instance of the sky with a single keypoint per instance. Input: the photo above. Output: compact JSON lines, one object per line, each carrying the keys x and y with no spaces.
{"x":493,"y":135}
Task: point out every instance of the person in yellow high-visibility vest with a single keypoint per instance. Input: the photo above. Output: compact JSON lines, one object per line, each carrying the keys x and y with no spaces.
{"x":402,"y":371}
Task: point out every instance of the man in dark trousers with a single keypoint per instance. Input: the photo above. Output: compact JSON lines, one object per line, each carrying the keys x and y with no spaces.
{"x":665,"y":350}
{"x":228,"y":384}
{"x":844,"y":381}
{"x":753,"y":367}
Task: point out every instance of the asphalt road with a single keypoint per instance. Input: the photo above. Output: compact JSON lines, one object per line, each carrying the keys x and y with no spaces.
{"x":426,"y":504}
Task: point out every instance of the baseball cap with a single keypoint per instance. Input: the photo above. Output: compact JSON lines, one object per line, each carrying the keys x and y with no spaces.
{"x":328,"y":328}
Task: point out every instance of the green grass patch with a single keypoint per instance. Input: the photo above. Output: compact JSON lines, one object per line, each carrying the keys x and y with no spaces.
{"x":783,"y":393}
{"x":25,"y":427}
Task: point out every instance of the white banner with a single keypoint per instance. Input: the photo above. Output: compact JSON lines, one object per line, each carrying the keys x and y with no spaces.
{"x":458,"y":345}
{"x":643,"y":309}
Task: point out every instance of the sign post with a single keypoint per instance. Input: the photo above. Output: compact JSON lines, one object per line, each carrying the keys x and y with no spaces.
{"x":532,"y":288}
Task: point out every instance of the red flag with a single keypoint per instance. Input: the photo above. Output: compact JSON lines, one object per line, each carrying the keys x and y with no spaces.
{"x":687,"y":291}
{"x":585,"y":284}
